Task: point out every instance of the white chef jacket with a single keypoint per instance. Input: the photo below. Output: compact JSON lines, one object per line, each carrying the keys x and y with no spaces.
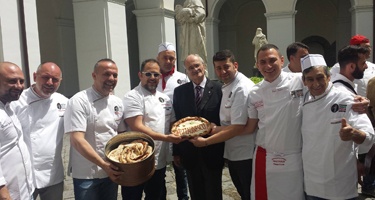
{"x":233,"y":112}
{"x":286,"y":68}
{"x":157,"y":112}
{"x":277,"y":105}
{"x":42,"y":121}
{"x":15,"y":164}
{"x":172,"y":81}
{"x":99,"y":117}
{"x":360,"y":84}
{"x":330,"y":163}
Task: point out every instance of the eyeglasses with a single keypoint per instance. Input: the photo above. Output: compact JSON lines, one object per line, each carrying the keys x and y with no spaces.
{"x":149,"y":74}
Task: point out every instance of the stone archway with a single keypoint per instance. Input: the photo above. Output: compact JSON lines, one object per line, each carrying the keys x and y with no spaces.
{"x":320,"y":45}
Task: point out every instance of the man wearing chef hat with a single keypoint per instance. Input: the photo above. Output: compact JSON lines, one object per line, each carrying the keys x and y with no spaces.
{"x":331,"y":133}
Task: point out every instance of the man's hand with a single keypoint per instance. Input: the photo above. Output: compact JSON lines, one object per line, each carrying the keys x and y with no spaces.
{"x":214,"y":129}
{"x":361,"y":104}
{"x":4,"y":193}
{"x":112,"y":171}
{"x":174,"y":138}
{"x":199,"y":141}
{"x":346,"y":131}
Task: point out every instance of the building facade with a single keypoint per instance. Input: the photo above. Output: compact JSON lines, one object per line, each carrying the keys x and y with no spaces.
{"x":77,"y":33}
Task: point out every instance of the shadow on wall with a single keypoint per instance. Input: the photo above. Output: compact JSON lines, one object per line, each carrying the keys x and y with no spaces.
{"x":319,"y":45}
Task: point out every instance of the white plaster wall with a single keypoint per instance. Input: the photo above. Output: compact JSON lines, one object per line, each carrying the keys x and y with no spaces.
{"x":10,"y":32}
{"x":32,"y":37}
{"x":118,"y":46}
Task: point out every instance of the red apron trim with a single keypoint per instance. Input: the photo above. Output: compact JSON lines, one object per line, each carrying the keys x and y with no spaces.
{"x":260,"y":174}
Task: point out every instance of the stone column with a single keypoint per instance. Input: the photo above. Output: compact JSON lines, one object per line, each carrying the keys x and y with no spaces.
{"x":100,"y":31}
{"x":362,"y":20}
{"x":212,"y":43}
{"x":156,"y":24}
{"x":281,"y":29}
{"x":19,"y":42}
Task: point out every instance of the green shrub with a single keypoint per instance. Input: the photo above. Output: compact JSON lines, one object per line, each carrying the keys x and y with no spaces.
{"x":256,"y":79}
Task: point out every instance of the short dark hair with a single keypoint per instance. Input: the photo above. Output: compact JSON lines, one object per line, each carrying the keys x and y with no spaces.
{"x":326,"y":71}
{"x":224,"y":55}
{"x":350,"y":54}
{"x":267,"y":47}
{"x":294,"y":47}
{"x":150,"y":60}
{"x":103,"y":60}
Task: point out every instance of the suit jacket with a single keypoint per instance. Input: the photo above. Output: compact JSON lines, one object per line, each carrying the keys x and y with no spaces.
{"x":184,"y":105}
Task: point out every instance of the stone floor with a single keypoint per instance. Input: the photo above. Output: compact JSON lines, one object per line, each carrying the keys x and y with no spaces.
{"x":229,"y":191}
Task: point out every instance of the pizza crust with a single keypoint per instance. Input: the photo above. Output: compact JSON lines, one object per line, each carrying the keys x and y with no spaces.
{"x":133,"y":152}
{"x":191,"y":127}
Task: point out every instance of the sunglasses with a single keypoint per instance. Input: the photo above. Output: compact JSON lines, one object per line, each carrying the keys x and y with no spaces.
{"x":149,"y":74}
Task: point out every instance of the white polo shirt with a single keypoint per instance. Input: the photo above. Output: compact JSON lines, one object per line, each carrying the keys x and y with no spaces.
{"x":99,"y":117}
{"x":330,"y":169}
{"x":42,"y":122}
{"x":172,"y":81}
{"x":233,"y":111}
{"x":15,"y":164}
{"x":157,"y":112}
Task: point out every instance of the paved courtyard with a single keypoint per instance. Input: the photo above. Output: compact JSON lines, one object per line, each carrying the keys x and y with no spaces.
{"x":229,"y":191}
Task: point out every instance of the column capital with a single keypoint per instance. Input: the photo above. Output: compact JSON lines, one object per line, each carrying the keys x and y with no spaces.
{"x":154,"y":12}
{"x":280,"y":15}
{"x":361,"y":8}
{"x":120,"y":2}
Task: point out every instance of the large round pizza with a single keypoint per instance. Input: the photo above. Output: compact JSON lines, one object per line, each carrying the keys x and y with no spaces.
{"x":191,"y":127}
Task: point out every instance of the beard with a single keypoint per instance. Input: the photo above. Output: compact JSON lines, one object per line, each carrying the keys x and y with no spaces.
{"x":357,"y":74}
{"x":12,"y":95}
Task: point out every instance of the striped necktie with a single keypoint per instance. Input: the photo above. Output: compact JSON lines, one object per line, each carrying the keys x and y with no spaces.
{"x":198,"y":94}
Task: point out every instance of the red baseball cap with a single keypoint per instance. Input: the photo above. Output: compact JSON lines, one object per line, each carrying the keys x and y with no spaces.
{"x":358,"y":39}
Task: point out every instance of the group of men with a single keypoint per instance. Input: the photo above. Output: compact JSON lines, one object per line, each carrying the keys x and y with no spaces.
{"x":308,"y":131}
{"x":291,"y":136}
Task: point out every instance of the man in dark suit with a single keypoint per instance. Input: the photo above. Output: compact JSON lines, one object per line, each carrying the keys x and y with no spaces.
{"x":203,"y":165}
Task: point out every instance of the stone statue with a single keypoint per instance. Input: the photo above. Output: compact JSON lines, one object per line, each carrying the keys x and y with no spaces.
{"x":258,"y":41}
{"x":192,"y":40}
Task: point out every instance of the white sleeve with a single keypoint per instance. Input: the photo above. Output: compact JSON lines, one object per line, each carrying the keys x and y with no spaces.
{"x":75,"y":118}
{"x":133,"y":105}
{"x":238,"y":110}
{"x":251,"y":110}
{"x":363,"y":123}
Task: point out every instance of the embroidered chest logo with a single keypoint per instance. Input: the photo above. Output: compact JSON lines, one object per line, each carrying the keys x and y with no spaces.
{"x":338,"y":108}
{"x":61,"y":106}
{"x":161,"y":100}
{"x":296,"y":93}
{"x":258,"y":104}
{"x":179,"y":81}
{"x":116,"y":109}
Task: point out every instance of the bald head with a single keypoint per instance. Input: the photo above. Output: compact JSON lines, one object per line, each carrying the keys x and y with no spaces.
{"x":11,"y":82}
{"x":47,"y":79}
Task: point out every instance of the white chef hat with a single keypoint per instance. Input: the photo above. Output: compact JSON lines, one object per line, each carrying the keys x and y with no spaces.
{"x":166,"y":46}
{"x":311,"y":60}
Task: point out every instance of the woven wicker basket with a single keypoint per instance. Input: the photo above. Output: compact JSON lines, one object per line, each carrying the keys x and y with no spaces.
{"x":134,"y":173}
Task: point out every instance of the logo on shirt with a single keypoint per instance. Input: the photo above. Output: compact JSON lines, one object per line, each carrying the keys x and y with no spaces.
{"x":161,"y":100}
{"x":179,"y":81}
{"x":61,"y":107}
{"x":258,"y":104}
{"x":338,"y":108}
{"x":230,"y":94}
{"x":296,"y":93}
